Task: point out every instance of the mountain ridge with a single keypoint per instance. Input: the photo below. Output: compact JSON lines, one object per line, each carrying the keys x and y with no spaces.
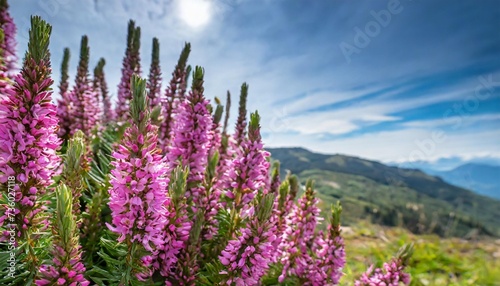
{"x":483,"y":179}
{"x":473,"y":208}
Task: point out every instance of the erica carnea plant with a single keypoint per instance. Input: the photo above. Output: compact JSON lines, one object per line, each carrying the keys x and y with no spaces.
{"x":85,"y":111}
{"x":392,"y":273}
{"x":139,"y":188}
{"x":28,"y":139}
{"x":174,"y":94}
{"x":66,"y":265}
{"x":131,"y":65}
{"x":247,"y":257}
{"x":299,"y":234}
{"x":75,"y":166}
{"x":64,"y":104}
{"x":192,"y":135}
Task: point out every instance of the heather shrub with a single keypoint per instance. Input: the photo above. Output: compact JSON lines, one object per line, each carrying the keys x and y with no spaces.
{"x":153,"y":191}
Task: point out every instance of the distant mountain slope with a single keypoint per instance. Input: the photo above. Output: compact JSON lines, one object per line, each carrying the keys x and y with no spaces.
{"x":481,"y":178}
{"x":441,"y":198}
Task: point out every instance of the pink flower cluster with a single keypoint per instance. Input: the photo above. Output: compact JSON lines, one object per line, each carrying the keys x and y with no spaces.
{"x":174,"y":95}
{"x":175,"y":238}
{"x":298,"y":235}
{"x":85,"y":110}
{"x":248,"y":172}
{"x":247,"y":257}
{"x":193,"y":136}
{"x":67,"y":267}
{"x":64,"y":271}
{"x":28,"y":140}
{"x":139,"y":186}
{"x":391,"y":275}
{"x":330,"y":253}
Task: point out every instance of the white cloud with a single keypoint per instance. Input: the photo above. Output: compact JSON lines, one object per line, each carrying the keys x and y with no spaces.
{"x":400,"y":145}
{"x":459,"y":121}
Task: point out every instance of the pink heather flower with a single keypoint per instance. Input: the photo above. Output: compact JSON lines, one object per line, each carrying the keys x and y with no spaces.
{"x":391,"y":275}
{"x":216,"y":139}
{"x":248,"y":171}
{"x":248,"y":256}
{"x":64,"y":103}
{"x":214,"y":191}
{"x":154,"y":81}
{"x":190,"y":145}
{"x":175,"y":238}
{"x":275,"y":178}
{"x":175,"y":259}
{"x":289,"y":202}
{"x":131,"y":65}
{"x":226,"y":156}
{"x":225,"y":151}
{"x":192,"y":135}
{"x":28,"y":126}
{"x":8,"y":45}
{"x":139,"y":181}
{"x":174,"y":95}
{"x":298,"y":235}
{"x":138,"y":188}
{"x":67,"y":267}
{"x":330,"y":253}
{"x":85,"y":110}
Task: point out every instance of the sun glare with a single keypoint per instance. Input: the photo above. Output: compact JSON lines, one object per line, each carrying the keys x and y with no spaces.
{"x":195,"y":13}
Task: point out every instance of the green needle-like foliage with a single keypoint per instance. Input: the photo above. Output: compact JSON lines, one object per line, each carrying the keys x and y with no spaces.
{"x":65,"y":222}
{"x":218,"y":113}
{"x":264,"y":208}
{"x":83,"y":65}
{"x":226,"y":117}
{"x":254,"y":127}
{"x":39,"y":39}
{"x":241,"y":122}
{"x":64,"y":83}
{"x":139,"y":110}
{"x":197,"y":85}
{"x":75,"y":169}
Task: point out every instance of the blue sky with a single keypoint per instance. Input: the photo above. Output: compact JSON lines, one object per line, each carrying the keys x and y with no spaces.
{"x":396,"y":81}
